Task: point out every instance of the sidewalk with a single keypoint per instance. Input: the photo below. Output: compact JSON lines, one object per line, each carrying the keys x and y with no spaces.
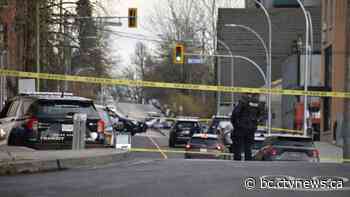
{"x":329,"y":153}
{"x":14,"y":160}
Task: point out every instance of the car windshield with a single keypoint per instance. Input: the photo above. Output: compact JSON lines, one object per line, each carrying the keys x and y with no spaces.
{"x":62,"y":108}
{"x":204,"y":141}
{"x":300,"y":142}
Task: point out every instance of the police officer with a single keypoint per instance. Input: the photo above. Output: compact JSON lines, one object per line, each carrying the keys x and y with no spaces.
{"x":245,"y":118}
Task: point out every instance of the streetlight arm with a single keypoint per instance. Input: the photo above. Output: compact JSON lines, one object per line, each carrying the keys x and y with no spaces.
{"x":256,"y":35}
{"x":255,"y":65}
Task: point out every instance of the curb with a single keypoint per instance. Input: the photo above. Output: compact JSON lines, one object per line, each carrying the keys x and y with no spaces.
{"x":13,"y":168}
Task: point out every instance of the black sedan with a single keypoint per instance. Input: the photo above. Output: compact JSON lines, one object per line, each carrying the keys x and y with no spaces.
{"x":288,"y":148}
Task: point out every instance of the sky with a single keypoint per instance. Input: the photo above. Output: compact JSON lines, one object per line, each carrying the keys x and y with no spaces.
{"x":125,"y":46}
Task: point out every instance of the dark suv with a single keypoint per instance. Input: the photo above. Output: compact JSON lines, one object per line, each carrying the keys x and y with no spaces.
{"x":183,"y":130}
{"x":45,"y":120}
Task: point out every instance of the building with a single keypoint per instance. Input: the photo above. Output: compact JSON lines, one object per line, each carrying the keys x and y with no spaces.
{"x":282,"y":3}
{"x":287,"y":25}
{"x":335,"y":66}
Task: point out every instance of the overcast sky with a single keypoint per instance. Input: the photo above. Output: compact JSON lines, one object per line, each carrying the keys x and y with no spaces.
{"x":125,"y":46}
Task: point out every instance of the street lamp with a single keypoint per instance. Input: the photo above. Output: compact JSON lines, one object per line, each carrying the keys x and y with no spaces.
{"x":268,"y":61}
{"x":308,"y":26}
{"x":219,"y":74}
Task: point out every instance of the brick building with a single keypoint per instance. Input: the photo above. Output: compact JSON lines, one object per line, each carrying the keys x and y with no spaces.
{"x":335,"y":66}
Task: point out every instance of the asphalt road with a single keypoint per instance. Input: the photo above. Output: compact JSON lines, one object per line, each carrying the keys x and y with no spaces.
{"x":154,"y":140}
{"x":150,"y":174}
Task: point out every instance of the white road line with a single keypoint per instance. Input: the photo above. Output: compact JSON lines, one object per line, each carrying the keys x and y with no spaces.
{"x":157,"y":146}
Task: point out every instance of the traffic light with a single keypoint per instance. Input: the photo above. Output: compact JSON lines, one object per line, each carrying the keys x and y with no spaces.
{"x":132,"y":18}
{"x":178,"y":54}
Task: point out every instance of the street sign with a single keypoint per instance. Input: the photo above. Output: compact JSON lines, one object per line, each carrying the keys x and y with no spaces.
{"x":194,"y":61}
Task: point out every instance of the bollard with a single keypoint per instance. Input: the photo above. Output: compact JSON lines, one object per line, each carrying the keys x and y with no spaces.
{"x":79,"y":131}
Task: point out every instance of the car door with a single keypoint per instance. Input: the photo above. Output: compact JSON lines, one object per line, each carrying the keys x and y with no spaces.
{"x":8,"y":120}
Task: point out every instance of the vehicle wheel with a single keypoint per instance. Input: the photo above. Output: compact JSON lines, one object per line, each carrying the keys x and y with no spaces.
{"x":171,"y":143}
{"x":15,"y":140}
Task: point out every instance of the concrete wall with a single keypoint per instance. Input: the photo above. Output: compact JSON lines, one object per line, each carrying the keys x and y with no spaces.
{"x":335,"y":33}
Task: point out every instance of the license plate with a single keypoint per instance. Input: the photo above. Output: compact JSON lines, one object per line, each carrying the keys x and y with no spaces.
{"x":203,"y":150}
{"x":185,"y":132}
{"x":67,"y":127}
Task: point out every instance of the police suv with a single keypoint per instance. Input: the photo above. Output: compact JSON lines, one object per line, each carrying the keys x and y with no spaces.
{"x":183,"y":129}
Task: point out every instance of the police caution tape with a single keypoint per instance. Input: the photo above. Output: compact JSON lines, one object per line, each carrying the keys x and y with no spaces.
{"x":150,"y":84}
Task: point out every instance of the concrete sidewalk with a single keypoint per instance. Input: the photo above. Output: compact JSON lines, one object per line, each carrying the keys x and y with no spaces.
{"x":329,"y":153}
{"x":14,"y":160}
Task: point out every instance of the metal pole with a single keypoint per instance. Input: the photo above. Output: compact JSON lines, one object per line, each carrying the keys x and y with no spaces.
{"x":269,"y":70}
{"x":239,"y":57}
{"x":38,"y":43}
{"x":2,"y":87}
{"x":232,"y":67}
{"x":219,"y":83}
{"x":268,"y":61}
{"x":306,"y":73}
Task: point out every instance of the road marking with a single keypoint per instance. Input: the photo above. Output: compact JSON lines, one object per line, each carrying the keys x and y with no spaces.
{"x":157,"y":146}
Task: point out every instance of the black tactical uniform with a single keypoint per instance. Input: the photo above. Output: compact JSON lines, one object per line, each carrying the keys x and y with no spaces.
{"x":245,"y":118}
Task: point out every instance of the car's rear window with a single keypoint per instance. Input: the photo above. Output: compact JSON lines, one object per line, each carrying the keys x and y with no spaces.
{"x":205,"y":141}
{"x":182,"y":125}
{"x":302,"y":142}
{"x":62,"y":108}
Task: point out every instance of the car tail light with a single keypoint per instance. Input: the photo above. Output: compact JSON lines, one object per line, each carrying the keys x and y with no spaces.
{"x":100,"y":126}
{"x":188,"y":146}
{"x":315,"y":153}
{"x":32,"y":124}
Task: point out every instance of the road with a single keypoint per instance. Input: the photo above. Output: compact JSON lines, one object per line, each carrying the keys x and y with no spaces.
{"x":153,"y":175}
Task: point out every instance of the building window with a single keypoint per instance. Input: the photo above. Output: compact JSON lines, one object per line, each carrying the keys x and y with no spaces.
{"x":327,"y":102}
{"x":328,"y":67}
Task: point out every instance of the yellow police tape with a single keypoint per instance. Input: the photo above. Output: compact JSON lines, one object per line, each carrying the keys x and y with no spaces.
{"x":225,"y":155}
{"x":59,"y":77}
{"x":150,"y":84}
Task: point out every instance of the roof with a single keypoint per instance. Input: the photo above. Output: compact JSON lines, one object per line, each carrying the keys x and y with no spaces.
{"x":53,"y":96}
{"x":221,"y":116}
{"x":187,"y":119}
{"x":204,"y":135}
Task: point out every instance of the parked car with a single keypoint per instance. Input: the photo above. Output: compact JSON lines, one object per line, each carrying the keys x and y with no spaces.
{"x":208,"y":146}
{"x":288,"y":148}
{"x":215,"y":122}
{"x":45,"y":120}
{"x":183,"y":130}
{"x":129,"y":125}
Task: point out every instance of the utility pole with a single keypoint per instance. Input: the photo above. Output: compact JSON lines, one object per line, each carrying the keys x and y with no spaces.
{"x":38,"y":43}
{"x":67,"y":52}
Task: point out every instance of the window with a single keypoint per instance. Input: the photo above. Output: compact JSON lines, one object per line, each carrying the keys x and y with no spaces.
{"x":328,"y":67}
{"x":13,"y":109}
{"x":327,"y":114}
{"x":24,"y":107}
